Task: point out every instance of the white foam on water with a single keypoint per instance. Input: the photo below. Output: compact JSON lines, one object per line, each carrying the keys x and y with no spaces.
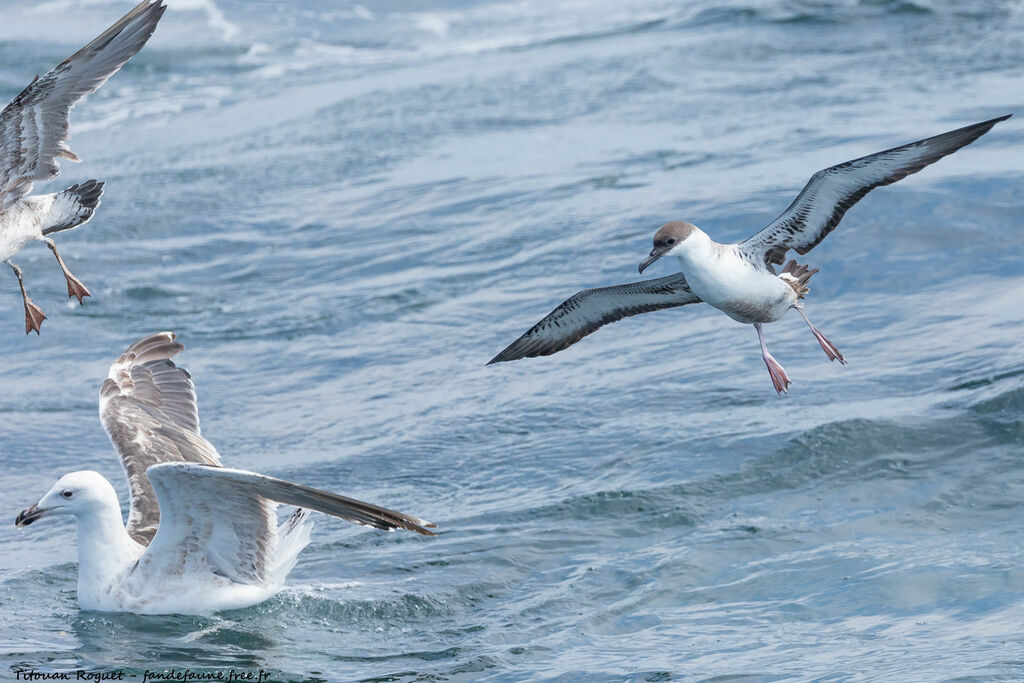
{"x":440,"y":34}
{"x":215,"y":17}
{"x":229,"y":30}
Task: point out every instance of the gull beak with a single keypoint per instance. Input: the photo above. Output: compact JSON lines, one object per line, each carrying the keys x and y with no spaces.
{"x":656,"y":254}
{"x":30,"y":514}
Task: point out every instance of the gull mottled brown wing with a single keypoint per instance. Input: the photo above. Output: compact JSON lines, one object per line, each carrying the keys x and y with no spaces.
{"x":34,"y":126}
{"x":586,"y":311}
{"x":223,"y":519}
{"x":820,"y":206}
{"x":148,"y":408}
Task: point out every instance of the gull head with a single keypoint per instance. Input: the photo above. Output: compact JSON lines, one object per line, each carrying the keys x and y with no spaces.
{"x":669,"y":238}
{"x":75,"y":494}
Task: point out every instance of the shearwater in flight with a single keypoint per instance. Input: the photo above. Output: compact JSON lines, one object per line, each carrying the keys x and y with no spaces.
{"x":200,"y":537}
{"x":34,"y":135}
{"x":740,"y":279}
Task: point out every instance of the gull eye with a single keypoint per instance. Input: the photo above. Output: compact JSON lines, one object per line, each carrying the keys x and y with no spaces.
{"x":671,"y":240}
{"x":66,"y":494}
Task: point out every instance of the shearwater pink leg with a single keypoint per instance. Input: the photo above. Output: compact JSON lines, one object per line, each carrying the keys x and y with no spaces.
{"x":779,"y":377}
{"x":828,"y":347}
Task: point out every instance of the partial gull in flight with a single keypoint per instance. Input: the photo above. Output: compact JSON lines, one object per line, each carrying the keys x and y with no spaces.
{"x":740,"y":279}
{"x":200,"y":537}
{"x":34,"y":135}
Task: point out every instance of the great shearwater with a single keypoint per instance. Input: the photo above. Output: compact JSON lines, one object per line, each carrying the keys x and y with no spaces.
{"x":34,"y":135}
{"x":740,"y":279}
{"x":200,"y":538}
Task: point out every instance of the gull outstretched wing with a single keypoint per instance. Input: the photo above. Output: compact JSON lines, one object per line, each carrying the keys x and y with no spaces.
{"x":34,"y":126}
{"x":148,"y":408}
{"x":223,"y":519}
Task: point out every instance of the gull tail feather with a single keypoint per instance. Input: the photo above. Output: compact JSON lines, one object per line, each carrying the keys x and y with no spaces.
{"x":292,"y":536}
{"x":73,"y":207}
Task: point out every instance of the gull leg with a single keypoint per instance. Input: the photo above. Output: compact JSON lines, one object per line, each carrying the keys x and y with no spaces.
{"x":828,"y":347}
{"x":34,"y":315}
{"x":75,"y":286}
{"x":779,"y":377}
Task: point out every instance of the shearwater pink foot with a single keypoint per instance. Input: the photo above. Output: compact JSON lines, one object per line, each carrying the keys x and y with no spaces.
{"x":828,"y":347}
{"x":780,"y":380}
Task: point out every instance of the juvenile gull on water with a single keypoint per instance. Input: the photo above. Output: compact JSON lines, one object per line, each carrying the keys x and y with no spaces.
{"x":200,"y":537}
{"x":34,"y":135}
{"x":740,"y":279}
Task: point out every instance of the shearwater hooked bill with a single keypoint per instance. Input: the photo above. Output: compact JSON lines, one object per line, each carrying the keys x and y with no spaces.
{"x":34,"y":135}
{"x":200,"y":537}
{"x":739,"y":279}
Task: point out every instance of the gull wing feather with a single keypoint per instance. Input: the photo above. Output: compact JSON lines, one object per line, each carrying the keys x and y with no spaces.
{"x":34,"y":126}
{"x":828,"y":195}
{"x":223,"y":519}
{"x":586,"y":311}
{"x":149,"y":410}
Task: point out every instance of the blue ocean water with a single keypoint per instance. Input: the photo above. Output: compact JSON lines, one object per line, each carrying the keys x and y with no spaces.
{"x":344,"y":210}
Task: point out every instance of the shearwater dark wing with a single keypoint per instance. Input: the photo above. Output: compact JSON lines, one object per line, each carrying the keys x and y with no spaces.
{"x":820,"y":206}
{"x":586,"y":311}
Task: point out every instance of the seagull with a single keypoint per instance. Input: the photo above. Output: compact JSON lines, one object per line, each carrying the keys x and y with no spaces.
{"x":200,"y":537}
{"x":34,"y":135}
{"x":740,"y":279}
